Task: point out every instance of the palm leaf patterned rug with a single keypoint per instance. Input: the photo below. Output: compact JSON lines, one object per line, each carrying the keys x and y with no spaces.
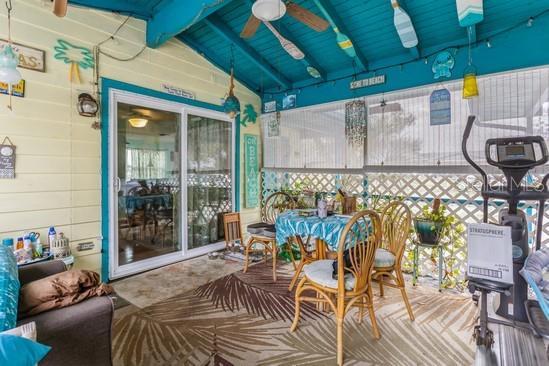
{"x":244,"y":319}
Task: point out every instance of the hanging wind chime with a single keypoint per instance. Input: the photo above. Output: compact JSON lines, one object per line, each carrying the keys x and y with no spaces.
{"x":9,"y":61}
{"x":356,"y":126}
{"x":231,"y":105}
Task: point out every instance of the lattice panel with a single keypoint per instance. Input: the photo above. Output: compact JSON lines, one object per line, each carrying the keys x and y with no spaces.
{"x":274,"y":181}
{"x":460,"y":194}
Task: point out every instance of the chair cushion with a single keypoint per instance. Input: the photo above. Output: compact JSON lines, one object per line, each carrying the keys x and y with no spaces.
{"x":384,"y":258}
{"x":269,"y":232}
{"x":257,"y":228}
{"x":321,"y":273}
{"x":9,"y":288}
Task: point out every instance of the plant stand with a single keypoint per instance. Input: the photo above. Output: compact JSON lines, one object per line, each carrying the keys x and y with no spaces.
{"x":416,"y":260}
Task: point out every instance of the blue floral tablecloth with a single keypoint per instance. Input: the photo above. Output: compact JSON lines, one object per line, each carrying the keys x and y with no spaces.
{"x":329,"y":229}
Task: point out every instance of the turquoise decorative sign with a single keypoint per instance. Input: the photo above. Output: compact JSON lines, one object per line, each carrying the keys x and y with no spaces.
{"x":443,"y":65}
{"x":249,"y":115}
{"x":76,"y":56}
{"x":441,"y":107}
{"x":251,"y":166}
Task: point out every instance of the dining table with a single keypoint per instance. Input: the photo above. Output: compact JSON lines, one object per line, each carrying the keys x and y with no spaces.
{"x":325,"y":231}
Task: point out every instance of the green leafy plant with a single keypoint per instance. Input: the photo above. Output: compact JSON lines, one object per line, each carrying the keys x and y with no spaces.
{"x":450,"y":239}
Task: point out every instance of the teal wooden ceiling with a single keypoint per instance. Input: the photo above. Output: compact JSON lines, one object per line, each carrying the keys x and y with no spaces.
{"x":212,"y":28}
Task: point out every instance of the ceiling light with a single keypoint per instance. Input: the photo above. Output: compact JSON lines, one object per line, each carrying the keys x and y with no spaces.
{"x":268,"y":10}
{"x":138,"y":122}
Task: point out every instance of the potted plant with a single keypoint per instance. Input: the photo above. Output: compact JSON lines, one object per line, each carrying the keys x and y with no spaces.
{"x":429,"y":225}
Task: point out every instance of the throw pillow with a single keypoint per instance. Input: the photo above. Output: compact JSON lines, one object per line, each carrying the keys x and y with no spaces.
{"x":19,"y":351}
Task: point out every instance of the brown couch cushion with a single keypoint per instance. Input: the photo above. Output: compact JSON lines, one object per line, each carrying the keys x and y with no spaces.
{"x":60,"y":290}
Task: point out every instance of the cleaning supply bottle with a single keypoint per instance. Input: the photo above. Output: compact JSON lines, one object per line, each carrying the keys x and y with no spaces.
{"x":52,"y":236}
{"x":19,"y":244}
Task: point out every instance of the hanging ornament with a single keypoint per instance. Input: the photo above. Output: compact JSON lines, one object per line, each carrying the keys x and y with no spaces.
{"x":356,"y":126}
{"x":232,"y":104}
{"x":76,"y":56}
{"x":9,"y":61}
{"x":469,"y":12}
{"x":470,"y":87}
{"x":443,"y":65}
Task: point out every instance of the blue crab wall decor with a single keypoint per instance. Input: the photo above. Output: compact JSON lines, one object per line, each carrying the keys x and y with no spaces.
{"x":443,"y":65}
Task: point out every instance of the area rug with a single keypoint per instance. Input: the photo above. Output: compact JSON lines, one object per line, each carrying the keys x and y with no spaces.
{"x":244,"y":319}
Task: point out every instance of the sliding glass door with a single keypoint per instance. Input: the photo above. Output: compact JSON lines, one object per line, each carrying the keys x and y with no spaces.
{"x":172,"y":171}
{"x":209,"y":178}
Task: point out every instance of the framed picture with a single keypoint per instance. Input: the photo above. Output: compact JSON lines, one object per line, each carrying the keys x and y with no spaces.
{"x":29,"y":57}
{"x":16,"y":90}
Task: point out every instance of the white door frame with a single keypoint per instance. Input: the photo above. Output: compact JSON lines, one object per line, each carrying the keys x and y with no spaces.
{"x":115,"y":96}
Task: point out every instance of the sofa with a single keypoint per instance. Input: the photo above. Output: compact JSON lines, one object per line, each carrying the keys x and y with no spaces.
{"x":79,"y":334}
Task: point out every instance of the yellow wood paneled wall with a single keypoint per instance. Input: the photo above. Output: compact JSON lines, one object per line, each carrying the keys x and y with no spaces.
{"x":58,"y":153}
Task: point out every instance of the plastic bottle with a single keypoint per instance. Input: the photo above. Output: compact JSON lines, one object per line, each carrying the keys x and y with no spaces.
{"x":20,"y":244}
{"x":27,"y":242}
{"x":8,"y":242}
{"x":52,"y":235}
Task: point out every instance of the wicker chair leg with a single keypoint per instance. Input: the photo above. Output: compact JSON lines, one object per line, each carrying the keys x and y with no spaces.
{"x":274,"y":249}
{"x":297,"y":304}
{"x":369,"y":300}
{"x":381,"y":291}
{"x":296,"y":275}
{"x":340,"y":321}
{"x":247,"y":254}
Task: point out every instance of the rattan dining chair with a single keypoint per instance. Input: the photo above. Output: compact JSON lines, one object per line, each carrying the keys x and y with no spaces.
{"x":352,"y":288}
{"x":307,"y":256}
{"x":395,"y":222}
{"x":264,"y":233}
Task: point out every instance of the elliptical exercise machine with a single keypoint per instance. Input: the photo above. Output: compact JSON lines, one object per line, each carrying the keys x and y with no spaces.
{"x":514,"y":156}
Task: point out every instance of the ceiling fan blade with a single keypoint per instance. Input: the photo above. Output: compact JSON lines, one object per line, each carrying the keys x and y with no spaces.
{"x":60,"y":8}
{"x":251,"y":27}
{"x":307,"y":17}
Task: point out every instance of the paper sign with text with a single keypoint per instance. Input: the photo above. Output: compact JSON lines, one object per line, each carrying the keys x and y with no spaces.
{"x":489,"y":252}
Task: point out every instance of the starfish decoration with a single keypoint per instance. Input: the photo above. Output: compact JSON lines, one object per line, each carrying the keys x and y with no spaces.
{"x":250,"y":115}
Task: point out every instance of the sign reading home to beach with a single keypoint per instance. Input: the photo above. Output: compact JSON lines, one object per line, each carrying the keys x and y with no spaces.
{"x":29,"y":58}
{"x":374,"y":80}
{"x":251,"y":165}
{"x":441,"y":107}
{"x":174,"y":90}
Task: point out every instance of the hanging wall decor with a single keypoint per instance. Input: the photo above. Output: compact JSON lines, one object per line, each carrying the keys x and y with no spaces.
{"x":272,"y":123}
{"x":372,"y":81}
{"x":7,"y":159}
{"x":231,"y":105}
{"x":440,"y":104}
{"x":251,"y":166}
{"x":29,"y":57}
{"x":289,"y":101}
{"x":470,"y":87}
{"x":250,"y":115}
{"x":356,"y":123}
{"x":17,"y":90}
{"x":443,"y":65}
{"x":269,"y":107}
{"x":87,"y":105}
{"x":78,"y":57}
{"x":469,"y":12}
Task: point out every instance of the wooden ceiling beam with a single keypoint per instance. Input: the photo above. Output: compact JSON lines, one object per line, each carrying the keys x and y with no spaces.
{"x":220,"y":27}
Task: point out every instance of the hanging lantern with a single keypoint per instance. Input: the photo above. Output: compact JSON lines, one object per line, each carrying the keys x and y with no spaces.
{"x":87,"y":105}
{"x":470,"y":87}
{"x":8,"y":66}
{"x":138,"y":122}
{"x":232,"y":104}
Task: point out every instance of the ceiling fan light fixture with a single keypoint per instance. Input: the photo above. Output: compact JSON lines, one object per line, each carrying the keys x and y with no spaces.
{"x":138,"y":122}
{"x":268,"y":10}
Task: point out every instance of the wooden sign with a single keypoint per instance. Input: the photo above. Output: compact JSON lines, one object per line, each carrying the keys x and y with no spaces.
{"x":251,"y":166}
{"x":29,"y":57}
{"x":16,"y":90}
{"x":7,"y":159}
{"x":440,"y":104}
{"x":374,"y":80}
